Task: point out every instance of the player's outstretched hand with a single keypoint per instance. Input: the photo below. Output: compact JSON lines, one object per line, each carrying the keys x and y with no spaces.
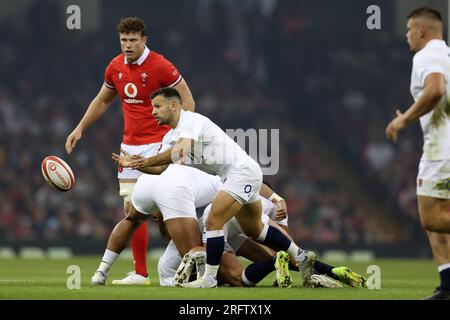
{"x":72,"y":140}
{"x":124,"y":159}
{"x":395,"y":126}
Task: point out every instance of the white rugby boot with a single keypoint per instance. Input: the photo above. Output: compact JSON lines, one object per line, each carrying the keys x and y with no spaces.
{"x":203,"y":282}
{"x":305,"y":265}
{"x":200,"y":262}
{"x":133,"y":279}
{"x":184,"y":269}
{"x":99,"y":278}
{"x":323,"y":281}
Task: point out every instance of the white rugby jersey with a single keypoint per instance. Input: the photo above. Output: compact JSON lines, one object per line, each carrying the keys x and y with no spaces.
{"x":433,"y":58}
{"x":214,"y":151}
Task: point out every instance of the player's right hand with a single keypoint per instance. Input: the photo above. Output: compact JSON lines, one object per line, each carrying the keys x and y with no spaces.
{"x":72,"y":140}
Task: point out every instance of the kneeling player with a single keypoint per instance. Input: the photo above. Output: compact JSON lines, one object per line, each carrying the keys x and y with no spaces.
{"x":179,"y":191}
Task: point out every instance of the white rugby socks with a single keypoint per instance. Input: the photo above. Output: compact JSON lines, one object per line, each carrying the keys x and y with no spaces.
{"x":108,"y":259}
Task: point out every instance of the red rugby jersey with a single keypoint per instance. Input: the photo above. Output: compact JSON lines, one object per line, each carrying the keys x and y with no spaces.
{"x":134,"y":84}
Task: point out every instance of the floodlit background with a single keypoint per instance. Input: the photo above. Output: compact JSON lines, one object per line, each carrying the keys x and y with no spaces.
{"x":309,"y":68}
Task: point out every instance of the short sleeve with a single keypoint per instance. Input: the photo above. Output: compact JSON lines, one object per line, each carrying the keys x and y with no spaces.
{"x":426,"y":64}
{"x":191,"y":128}
{"x":165,"y":144}
{"x":108,"y":77}
{"x":169,"y":74}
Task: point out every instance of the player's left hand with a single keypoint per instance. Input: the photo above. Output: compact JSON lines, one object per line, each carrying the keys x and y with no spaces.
{"x":138,"y":162}
{"x":281,"y":210}
{"x":395,"y":126}
{"x":124,"y":159}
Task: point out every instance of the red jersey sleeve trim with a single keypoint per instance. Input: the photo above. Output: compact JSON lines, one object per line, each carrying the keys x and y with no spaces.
{"x":176,"y":81}
{"x":109,"y":85}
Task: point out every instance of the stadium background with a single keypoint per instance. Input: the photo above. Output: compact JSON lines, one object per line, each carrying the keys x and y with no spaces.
{"x":310,"y":68}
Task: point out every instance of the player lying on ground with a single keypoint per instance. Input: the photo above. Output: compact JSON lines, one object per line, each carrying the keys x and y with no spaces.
{"x":266,"y":260}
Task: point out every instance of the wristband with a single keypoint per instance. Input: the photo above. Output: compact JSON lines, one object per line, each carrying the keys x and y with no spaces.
{"x":275,"y":197}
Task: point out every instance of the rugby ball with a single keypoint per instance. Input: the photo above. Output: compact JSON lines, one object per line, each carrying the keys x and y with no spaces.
{"x":57,"y":173}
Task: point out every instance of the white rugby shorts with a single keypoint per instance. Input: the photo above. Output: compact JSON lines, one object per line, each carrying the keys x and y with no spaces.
{"x":433,"y":179}
{"x":146,"y":150}
{"x":243,"y":182}
{"x":153,"y":192}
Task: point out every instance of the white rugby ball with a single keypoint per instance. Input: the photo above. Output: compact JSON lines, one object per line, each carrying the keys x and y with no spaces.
{"x":57,"y":173}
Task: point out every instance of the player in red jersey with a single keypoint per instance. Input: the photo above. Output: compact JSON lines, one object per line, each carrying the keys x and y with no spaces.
{"x":134,"y":75}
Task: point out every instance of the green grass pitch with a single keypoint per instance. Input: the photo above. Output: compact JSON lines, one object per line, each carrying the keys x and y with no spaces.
{"x":46,"y":279}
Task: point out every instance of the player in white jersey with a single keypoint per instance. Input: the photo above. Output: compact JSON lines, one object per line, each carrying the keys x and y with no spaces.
{"x":430,"y":88}
{"x":180,"y":190}
{"x":199,"y":142}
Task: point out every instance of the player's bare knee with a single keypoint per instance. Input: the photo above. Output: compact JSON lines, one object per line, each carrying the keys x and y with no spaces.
{"x":135,"y":217}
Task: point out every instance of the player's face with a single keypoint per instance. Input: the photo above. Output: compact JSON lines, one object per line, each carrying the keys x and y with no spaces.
{"x":162,"y":110}
{"x":132,"y":45}
{"x":413,"y":35}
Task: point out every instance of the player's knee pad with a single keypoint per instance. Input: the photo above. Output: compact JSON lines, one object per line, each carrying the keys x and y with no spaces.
{"x":126,"y":189}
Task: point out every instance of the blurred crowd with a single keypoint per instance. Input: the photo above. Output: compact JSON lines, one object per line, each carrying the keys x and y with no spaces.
{"x":261,"y":65}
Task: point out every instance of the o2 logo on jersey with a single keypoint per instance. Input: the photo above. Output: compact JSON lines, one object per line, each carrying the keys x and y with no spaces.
{"x":130,"y":90}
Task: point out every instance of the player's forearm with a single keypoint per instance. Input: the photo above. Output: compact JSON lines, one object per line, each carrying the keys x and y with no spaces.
{"x":189,"y":104}
{"x":154,"y":170}
{"x":427,"y":102}
{"x":161,"y":159}
{"x":265,"y":191}
{"x":268,"y":193}
{"x":95,"y":111}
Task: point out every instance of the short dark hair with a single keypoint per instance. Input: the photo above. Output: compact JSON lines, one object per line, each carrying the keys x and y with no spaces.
{"x":131,"y":25}
{"x":166,"y":92}
{"x":425,"y":12}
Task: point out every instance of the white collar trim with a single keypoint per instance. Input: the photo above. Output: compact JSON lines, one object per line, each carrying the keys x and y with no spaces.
{"x":142,"y":58}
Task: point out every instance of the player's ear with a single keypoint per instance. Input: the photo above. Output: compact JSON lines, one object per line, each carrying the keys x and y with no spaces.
{"x":144,"y":38}
{"x":422,"y":32}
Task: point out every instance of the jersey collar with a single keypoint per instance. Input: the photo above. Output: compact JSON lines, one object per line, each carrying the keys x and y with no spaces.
{"x":142,"y":58}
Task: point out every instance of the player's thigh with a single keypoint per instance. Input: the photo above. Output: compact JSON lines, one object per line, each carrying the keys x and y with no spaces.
{"x":135,"y":215}
{"x":249,"y":218}
{"x":185,"y":233}
{"x":230,"y":270}
{"x":126,"y":189}
{"x":127,"y":176}
{"x":223,"y":208}
{"x":431,"y":208}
